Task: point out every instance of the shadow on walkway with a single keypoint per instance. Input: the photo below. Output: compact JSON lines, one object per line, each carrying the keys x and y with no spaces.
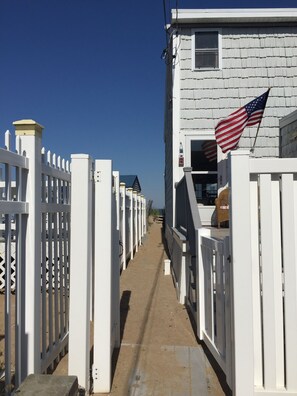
{"x":159,"y":353}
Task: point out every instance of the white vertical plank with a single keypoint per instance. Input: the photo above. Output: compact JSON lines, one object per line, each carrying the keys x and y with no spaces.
{"x":131,"y":222}
{"x":55,"y":261}
{"x":241,"y":273}
{"x":19,"y":290}
{"x":139,"y":219}
{"x":228,"y":314}
{"x":115,"y":276}
{"x":116,"y":185}
{"x":7,"y":140}
{"x":144,"y":216}
{"x":257,"y":320}
{"x":43,"y":267}
{"x":81,"y":248}
{"x":103,"y":277}
{"x":272,"y":283}
{"x":220,"y":299}
{"x":50,"y":264}
{"x":135,"y":222}
{"x":8,"y":306}
{"x":289,"y":223}
{"x":207,"y":258}
{"x":61,"y":268}
{"x":31,"y":144}
{"x":66,"y":260}
{"x":123,"y":224}
{"x":18,"y":146}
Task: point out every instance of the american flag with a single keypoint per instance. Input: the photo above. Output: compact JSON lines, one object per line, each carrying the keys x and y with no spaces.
{"x":209,"y":148}
{"x":229,"y":130}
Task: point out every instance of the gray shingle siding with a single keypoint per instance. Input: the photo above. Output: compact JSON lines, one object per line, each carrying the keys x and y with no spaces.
{"x":253,"y":59}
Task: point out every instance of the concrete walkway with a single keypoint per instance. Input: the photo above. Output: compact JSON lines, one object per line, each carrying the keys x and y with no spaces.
{"x":159,"y":353}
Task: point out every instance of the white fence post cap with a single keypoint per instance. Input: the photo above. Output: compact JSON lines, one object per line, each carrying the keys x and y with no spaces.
{"x":80,"y":156}
{"x":28,"y":128}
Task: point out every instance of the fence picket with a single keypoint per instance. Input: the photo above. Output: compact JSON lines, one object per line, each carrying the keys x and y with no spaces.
{"x":271,"y":283}
{"x":289,"y":222}
{"x":220,"y":298}
{"x":258,"y":350}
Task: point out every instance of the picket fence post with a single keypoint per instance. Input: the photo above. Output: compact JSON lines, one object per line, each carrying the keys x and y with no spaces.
{"x":131,"y":216}
{"x":135,"y":222}
{"x":123,"y":223}
{"x":104,"y":327}
{"x":80,"y":274}
{"x":241,"y":273}
{"x":30,"y":134}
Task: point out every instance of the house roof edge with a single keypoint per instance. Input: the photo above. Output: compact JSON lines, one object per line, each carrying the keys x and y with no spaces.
{"x":234,"y":15}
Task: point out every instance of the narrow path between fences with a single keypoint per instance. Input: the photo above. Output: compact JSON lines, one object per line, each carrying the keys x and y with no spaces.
{"x":159,"y":354}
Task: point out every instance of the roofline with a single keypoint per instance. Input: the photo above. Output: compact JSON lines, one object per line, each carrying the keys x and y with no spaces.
{"x":232,"y":15}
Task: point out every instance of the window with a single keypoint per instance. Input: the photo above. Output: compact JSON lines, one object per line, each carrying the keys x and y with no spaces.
{"x":204,"y":170}
{"x":206,"y":49}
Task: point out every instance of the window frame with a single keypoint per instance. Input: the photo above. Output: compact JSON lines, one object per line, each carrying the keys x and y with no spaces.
{"x":203,"y":137}
{"x":202,"y":30}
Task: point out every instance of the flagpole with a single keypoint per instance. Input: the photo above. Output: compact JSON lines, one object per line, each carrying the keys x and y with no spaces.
{"x":253,"y":148}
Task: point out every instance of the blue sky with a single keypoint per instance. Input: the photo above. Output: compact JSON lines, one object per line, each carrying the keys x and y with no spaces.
{"x":91,"y":72}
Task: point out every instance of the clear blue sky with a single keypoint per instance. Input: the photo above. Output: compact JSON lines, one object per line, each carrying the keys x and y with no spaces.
{"x":90,"y":71}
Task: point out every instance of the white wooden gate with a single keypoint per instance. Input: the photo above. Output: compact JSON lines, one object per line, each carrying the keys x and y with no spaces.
{"x":264,"y":274}
{"x":247,"y":309}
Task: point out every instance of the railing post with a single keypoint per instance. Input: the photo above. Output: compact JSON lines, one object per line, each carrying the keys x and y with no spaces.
{"x":30,"y":133}
{"x":241,"y":273}
{"x":80,"y":274}
{"x":105,"y":331}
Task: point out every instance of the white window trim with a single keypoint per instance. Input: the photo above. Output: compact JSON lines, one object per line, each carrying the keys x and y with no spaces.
{"x":219,"y":44}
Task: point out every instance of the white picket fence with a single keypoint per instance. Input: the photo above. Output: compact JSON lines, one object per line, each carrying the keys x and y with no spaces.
{"x":132,"y":210}
{"x":35,"y":250}
{"x":107,"y":226}
{"x":35,"y":210}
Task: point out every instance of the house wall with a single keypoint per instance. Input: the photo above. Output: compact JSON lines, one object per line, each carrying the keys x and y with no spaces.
{"x":288,"y":132}
{"x":253,"y":59}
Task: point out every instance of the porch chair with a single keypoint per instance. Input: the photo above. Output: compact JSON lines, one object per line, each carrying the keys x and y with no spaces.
{"x":222,"y":206}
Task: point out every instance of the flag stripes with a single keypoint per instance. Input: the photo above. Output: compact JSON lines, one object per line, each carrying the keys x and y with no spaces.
{"x":229,"y":130}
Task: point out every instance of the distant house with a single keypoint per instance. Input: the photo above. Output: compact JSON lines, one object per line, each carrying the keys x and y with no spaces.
{"x":217,"y":61}
{"x":131,"y":181}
